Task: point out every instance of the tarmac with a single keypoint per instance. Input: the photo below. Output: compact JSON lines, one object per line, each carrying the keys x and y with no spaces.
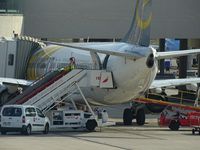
{"x":118,"y":137}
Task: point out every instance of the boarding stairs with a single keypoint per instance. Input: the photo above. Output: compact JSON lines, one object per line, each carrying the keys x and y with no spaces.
{"x":57,"y":86}
{"x":47,"y":90}
{"x":58,"y":91}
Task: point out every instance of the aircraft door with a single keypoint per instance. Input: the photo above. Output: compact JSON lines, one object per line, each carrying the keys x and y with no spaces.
{"x":96,"y":61}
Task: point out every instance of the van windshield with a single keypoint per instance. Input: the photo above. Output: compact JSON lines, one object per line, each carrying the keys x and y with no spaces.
{"x":12,"y":111}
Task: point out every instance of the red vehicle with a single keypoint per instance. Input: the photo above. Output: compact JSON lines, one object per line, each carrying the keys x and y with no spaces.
{"x":174,"y":117}
{"x":194,"y":120}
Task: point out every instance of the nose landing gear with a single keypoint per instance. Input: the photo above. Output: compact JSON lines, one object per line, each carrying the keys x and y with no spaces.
{"x":135,"y":112}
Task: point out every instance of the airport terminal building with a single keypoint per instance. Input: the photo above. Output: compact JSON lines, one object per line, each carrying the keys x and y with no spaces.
{"x":105,"y":19}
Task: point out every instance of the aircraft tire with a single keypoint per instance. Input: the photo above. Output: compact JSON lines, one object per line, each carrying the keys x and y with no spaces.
{"x":140,"y":117}
{"x":127,"y":116}
{"x":174,"y":125}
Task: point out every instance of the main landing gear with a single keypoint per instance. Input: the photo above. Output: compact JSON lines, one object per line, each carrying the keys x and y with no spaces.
{"x":135,"y":112}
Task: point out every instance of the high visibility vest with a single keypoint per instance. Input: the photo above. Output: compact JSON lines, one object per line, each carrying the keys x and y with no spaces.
{"x":72,"y":66}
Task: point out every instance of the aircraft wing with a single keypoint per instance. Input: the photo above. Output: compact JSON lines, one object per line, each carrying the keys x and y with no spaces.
{"x":173,"y":82}
{"x":173,"y":54}
{"x":91,"y":48}
{"x":15,"y":81}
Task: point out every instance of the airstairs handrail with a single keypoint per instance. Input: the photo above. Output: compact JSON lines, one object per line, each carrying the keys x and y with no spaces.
{"x":39,"y":83}
{"x":70,"y":85}
{"x":35,"y":91}
{"x":45,"y":75}
{"x":40,"y":78}
{"x":57,"y":90}
{"x":61,"y":100}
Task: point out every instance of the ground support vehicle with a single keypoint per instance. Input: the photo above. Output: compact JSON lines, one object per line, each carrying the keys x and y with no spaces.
{"x":24,"y":119}
{"x":194,"y":120}
{"x":174,"y":117}
{"x":76,"y":119}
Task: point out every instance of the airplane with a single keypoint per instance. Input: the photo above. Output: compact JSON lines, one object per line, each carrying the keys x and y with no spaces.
{"x":133,"y":63}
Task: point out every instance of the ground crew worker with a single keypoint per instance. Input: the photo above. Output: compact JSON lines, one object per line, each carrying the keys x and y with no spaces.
{"x":72,"y":63}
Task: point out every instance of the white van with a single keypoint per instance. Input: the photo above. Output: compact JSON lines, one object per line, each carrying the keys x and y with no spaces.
{"x":23,"y":118}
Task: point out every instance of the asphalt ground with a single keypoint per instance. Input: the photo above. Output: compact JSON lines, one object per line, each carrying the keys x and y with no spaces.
{"x":117,"y":137}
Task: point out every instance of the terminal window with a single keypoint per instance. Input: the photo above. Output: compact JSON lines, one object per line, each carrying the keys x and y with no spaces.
{"x":10,"y":6}
{"x":10,"y":59}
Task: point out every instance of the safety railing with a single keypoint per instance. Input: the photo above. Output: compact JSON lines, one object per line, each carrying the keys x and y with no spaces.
{"x":42,"y":87}
{"x":184,"y":99}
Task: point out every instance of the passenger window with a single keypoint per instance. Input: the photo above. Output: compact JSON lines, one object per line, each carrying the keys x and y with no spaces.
{"x":39,"y":112}
{"x":30,"y":112}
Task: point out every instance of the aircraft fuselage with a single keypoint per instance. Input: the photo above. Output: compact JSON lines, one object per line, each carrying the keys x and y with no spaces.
{"x":132,"y":77}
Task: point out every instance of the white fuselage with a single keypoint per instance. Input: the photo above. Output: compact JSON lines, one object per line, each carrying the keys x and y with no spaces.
{"x":132,"y":77}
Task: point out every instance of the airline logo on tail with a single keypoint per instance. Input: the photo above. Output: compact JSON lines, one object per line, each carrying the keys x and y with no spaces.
{"x":143,"y":23}
{"x":139,"y":31}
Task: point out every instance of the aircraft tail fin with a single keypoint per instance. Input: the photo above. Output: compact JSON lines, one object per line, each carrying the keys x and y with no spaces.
{"x":139,"y":31}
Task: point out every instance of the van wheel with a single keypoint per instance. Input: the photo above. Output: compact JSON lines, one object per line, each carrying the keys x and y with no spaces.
{"x":3,"y":132}
{"x":28,"y":130}
{"x":91,"y":125}
{"x":46,"y":129}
